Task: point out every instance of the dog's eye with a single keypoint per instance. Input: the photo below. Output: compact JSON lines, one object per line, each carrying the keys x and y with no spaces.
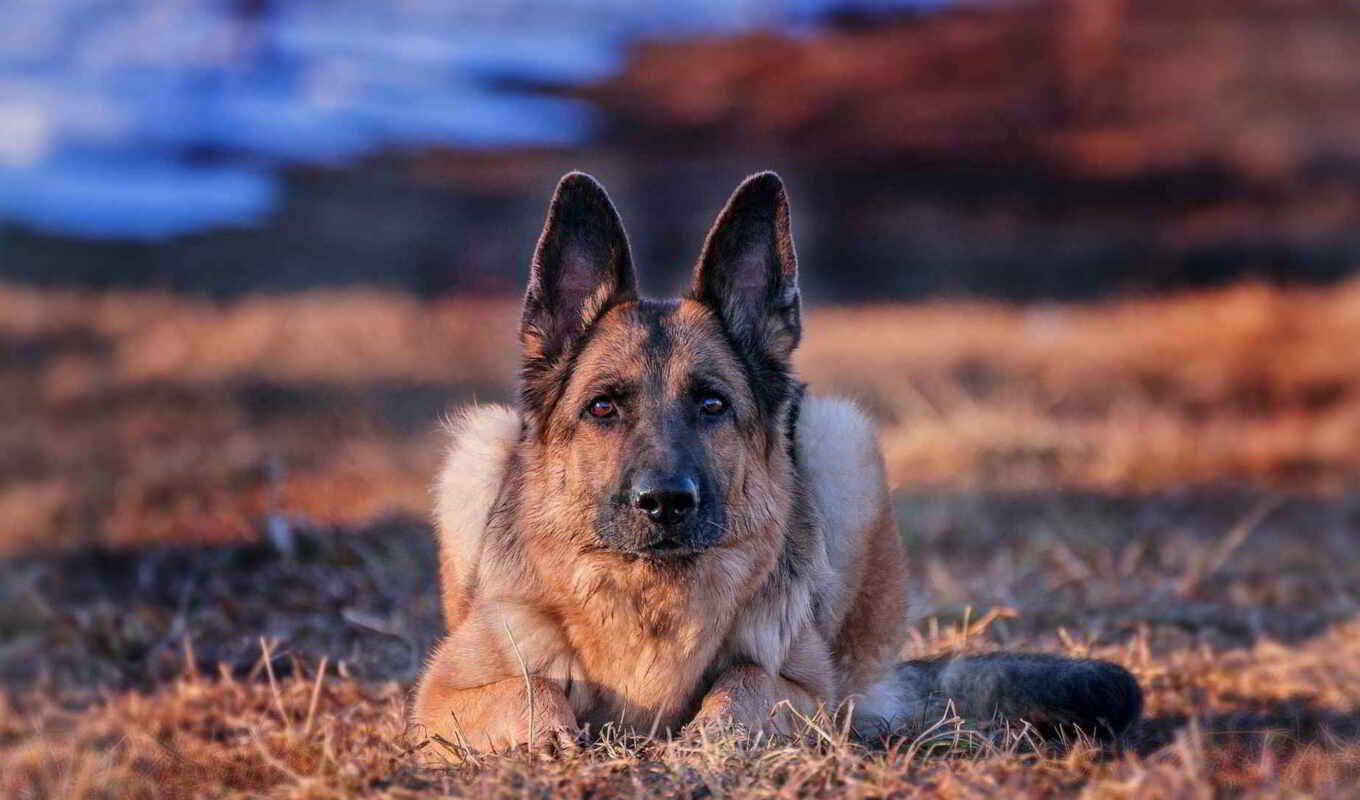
{"x":602,"y":408}
{"x":712,"y":405}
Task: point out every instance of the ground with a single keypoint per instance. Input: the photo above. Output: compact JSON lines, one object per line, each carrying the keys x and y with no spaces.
{"x":217,"y":573}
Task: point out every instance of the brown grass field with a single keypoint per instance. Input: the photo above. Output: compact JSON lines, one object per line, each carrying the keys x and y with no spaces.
{"x":216,"y":577}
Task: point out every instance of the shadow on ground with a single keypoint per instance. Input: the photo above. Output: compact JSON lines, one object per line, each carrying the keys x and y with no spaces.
{"x":97,"y":618}
{"x":1221,"y":571}
{"x":1282,"y":726}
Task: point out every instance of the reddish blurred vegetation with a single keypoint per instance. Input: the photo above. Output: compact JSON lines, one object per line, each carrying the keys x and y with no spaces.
{"x":1095,"y":88}
{"x":1035,"y":149}
{"x":148,"y":417}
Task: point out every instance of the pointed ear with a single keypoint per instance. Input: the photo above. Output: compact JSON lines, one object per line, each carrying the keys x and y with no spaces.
{"x":581,"y":267}
{"x":748,"y":273}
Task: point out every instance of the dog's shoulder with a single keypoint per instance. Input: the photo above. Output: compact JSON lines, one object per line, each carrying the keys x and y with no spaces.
{"x":830,"y":426}
{"x":842,"y":469}
{"x":482,"y":441}
{"x":838,"y":453}
{"x":840,"y":481}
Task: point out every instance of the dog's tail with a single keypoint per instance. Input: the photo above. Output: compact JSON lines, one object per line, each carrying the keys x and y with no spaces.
{"x":1051,"y":693}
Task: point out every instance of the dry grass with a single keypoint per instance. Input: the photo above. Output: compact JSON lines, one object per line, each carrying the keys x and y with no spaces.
{"x":1167,"y":482}
{"x":1259,"y":723}
{"x":236,"y":737}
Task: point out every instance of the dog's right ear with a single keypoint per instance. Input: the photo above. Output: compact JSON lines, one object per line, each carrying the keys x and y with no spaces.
{"x":581,"y":267}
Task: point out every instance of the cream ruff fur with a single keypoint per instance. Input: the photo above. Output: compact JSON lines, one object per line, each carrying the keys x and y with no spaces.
{"x":809,"y":633}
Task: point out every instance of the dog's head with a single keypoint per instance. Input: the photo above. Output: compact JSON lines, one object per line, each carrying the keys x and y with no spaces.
{"x":659,"y":428}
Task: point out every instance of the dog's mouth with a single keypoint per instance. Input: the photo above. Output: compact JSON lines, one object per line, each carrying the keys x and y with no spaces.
{"x":669,"y":555}
{"x":620,"y":530}
{"x":668,"y":548}
{"x":654,"y":545}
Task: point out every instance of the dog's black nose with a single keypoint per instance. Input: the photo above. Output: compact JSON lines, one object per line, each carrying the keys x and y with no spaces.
{"x":666,"y":501}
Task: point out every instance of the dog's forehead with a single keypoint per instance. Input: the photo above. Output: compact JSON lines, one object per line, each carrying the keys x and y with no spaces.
{"x":663,"y":338}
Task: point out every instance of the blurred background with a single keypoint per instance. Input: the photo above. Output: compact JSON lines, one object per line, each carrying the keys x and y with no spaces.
{"x":1088,"y":262}
{"x":1025,"y":150}
{"x":1091,"y":264}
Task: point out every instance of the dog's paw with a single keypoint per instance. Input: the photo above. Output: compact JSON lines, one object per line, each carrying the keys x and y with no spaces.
{"x":548,"y":742}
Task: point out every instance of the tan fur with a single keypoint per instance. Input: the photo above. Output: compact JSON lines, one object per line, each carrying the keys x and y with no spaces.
{"x":622,"y":642}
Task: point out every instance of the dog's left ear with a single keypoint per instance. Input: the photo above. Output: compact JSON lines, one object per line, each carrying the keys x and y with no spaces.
{"x":748,"y":273}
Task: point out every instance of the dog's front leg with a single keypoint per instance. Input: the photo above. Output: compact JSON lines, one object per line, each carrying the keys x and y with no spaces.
{"x":760,"y":700}
{"x":494,"y":716}
{"x":753,"y":698}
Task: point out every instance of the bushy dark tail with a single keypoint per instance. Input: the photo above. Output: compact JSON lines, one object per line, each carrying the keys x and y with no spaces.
{"x":1050,"y":692}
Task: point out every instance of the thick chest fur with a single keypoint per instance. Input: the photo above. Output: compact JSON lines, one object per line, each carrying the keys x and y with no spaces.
{"x":643,"y":643}
{"x":641,"y":669}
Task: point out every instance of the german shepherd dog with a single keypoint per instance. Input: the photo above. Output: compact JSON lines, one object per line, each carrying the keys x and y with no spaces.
{"x":667,"y":532}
